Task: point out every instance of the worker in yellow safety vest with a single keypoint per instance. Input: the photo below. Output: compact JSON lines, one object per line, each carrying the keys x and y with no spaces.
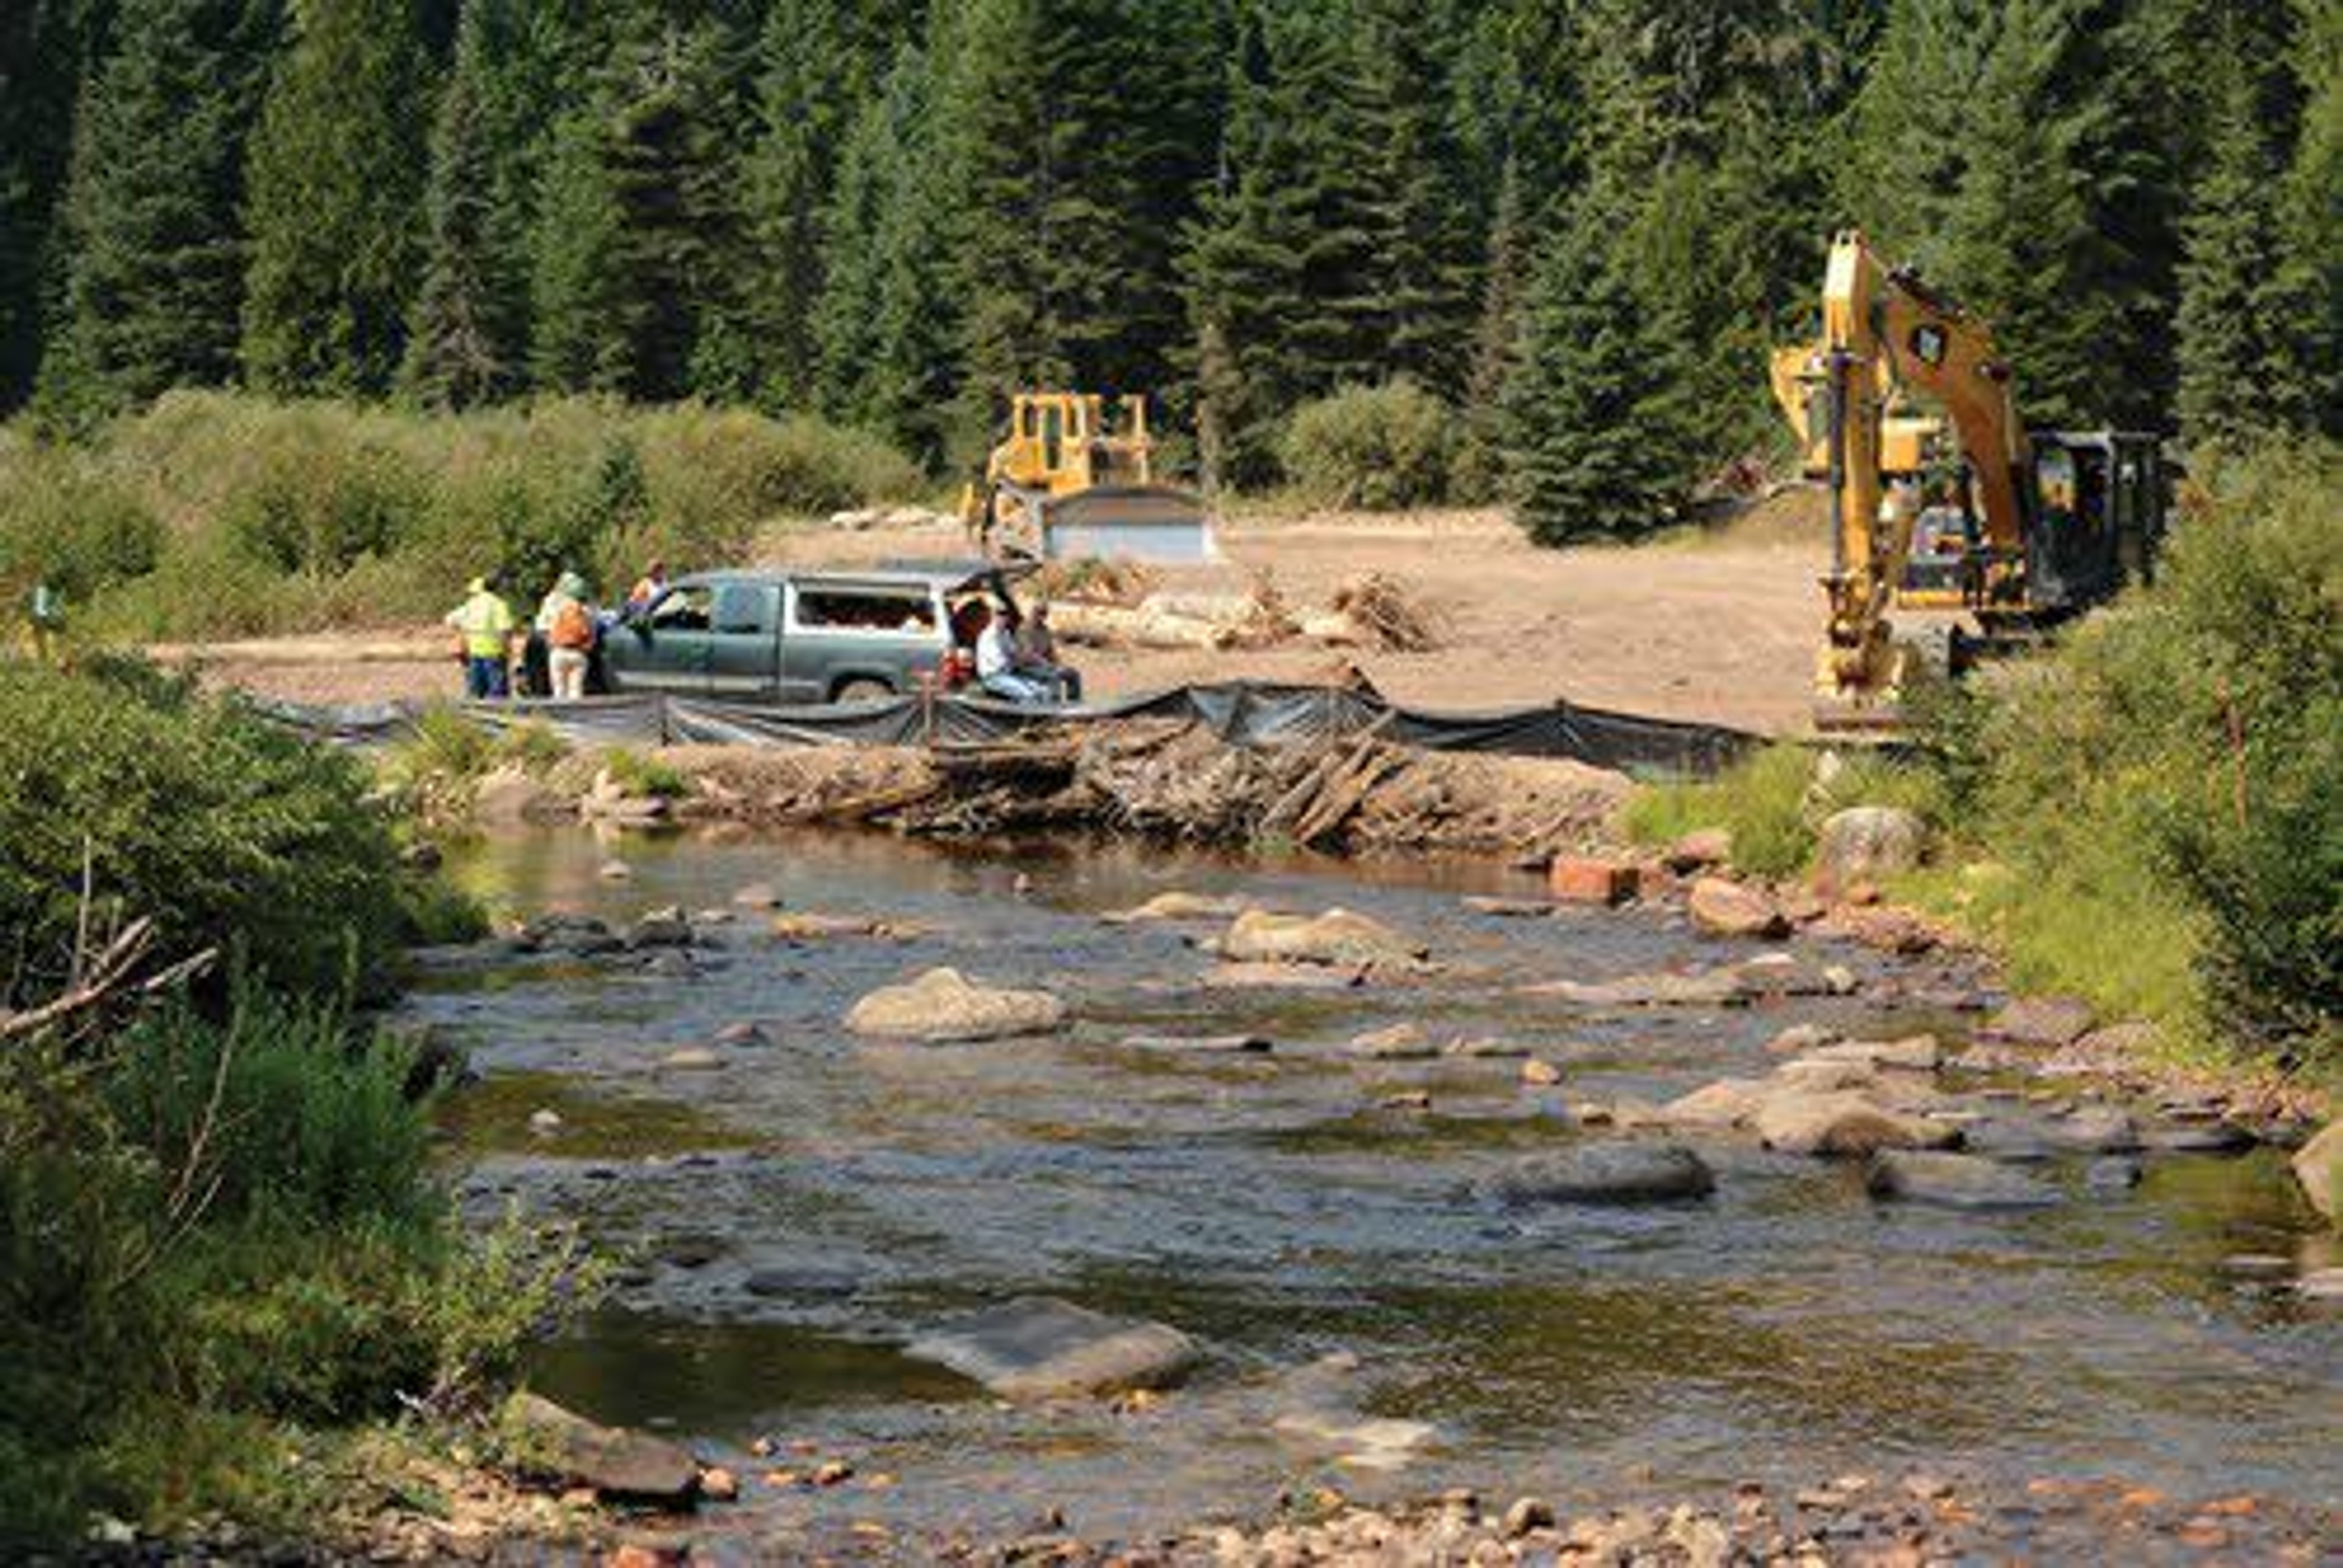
{"x":483,"y":625}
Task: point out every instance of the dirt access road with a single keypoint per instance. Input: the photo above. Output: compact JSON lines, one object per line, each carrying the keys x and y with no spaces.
{"x":1714,"y":626}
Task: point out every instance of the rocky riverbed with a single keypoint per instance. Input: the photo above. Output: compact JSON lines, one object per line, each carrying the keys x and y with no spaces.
{"x":1464,"y":1188}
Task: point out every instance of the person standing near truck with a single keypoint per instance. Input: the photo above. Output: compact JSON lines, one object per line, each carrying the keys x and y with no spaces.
{"x":483,"y":625}
{"x":567,"y":626}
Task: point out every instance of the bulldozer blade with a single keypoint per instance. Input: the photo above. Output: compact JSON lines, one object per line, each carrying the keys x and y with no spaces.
{"x":1882,"y":720}
{"x":1152,"y":523}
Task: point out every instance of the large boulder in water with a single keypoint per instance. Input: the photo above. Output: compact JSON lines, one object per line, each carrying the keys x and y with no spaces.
{"x":1844,"y":1123}
{"x":2056,"y":1021}
{"x":1178,"y":906}
{"x":943,"y":1005}
{"x":1608,"y":1173}
{"x":1336,"y":936}
{"x":2317,"y":1165}
{"x":1038,"y":1347}
{"x":1866,"y":843}
{"x":633,"y":1466}
{"x":1955,"y":1181}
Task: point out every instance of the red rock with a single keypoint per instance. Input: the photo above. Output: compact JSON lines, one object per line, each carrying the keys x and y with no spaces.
{"x":1730,"y":910}
{"x":1585,"y":879}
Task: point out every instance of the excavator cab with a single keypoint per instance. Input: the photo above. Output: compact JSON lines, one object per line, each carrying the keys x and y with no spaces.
{"x":2097,"y":520}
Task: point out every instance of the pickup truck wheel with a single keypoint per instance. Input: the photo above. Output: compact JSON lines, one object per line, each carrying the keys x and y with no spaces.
{"x":865,"y":690}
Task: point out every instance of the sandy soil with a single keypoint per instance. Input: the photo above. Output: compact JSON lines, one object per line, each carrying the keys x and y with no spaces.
{"x":1718,"y":626}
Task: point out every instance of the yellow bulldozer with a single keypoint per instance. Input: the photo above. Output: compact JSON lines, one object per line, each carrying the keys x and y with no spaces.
{"x":1939,"y":496}
{"x":1070,"y":482}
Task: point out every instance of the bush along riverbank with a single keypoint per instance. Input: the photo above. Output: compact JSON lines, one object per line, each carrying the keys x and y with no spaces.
{"x":234,"y":1295}
{"x":2143,"y":820}
{"x":215,"y":515}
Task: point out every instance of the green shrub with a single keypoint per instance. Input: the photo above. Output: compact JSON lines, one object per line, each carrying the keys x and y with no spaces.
{"x":65,"y":522}
{"x":2166,"y":787}
{"x":220,"y":827}
{"x":1775,"y":802}
{"x":1380,"y":449}
{"x":638,"y":775}
{"x":215,"y":513}
{"x":210,"y":1229}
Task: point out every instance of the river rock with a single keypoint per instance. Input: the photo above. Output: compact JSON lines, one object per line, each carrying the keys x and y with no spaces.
{"x":1178,"y":906}
{"x":1955,"y":1181}
{"x":1801,"y":1037}
{"x":1844,"y":1123}
{"x":1201,"y":1044}
{"x":1913,"y":1054}
{"x":814,"y":927}
{"x":2053,"y":1021}
{"x":1866,"y":843}
{"x":1707,"y":987}
{"x":1281,"y":977}
{"x":743,"y":1034}
{"x":1039,"y":1347}
{"x":2095,"y":1130}
{"x":1590,"y":880}
{"x":545,"y":1123}
{"x":2320,"y":1285}
{"x":1539,"y":1073}
{"x":665,"y":927}
{"x":941,"y":1005}
{"x":1700,"y":849}
{"x":633,"y":1466}
{"x":2199,"y":1138}
{"x":2317,"y":1166}
{"x":1725,"y":908}
{"x":614,"y":871}
{"x":1399,"y":1043}
{"x":758,"y":896}
{"x":509,"y":796}
{"x":692,"y":1059}
{"x":1509,"y":908}
{"x":1336,"y":936}
{"x":2115,"y":1173}
{"x":1781,"y":975}
{"x":1607,"y":1173}
{"x":1484,"y":1048}
{"x":1727,"y":1103}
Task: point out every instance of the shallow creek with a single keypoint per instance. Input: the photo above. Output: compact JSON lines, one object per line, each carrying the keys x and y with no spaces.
{"x":802,"y":1212}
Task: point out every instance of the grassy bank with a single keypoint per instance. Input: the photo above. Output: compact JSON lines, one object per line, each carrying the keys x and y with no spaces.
{"x":219,"y":515}
{"x":224,"y":1253}
{"x":2150,"y":816}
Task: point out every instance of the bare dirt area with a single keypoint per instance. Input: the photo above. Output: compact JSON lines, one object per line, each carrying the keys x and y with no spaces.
{"x":1716,"y":625}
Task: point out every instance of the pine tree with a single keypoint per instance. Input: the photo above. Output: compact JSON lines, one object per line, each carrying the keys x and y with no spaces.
{"x":887,"y":323}
{"x":1419,"y":223}
{"x":2312,"y":219}
{"x":820,"y":63}
{"x":2237,"y":321}
{"x":335,"y":177}
{"x":1496,"y":344}
{"x":1063,"y":121}
{"x":154,"y":283}
{"x":1247,"y":270}
{"x":1600,"y":409}
{"x":639,"y":228}
{"x":43,"y":45}
{"x":465,"y":339}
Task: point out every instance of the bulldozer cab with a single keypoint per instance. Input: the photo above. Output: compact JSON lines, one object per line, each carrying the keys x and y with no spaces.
{"x":1075,"y":477}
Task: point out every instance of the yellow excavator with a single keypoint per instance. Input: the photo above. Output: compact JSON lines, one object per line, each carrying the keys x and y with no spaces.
{"x":1951,"y":505}
{"x":1069,"y":482}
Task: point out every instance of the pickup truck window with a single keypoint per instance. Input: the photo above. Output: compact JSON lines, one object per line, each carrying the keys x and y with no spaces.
{"x":882,"y":610}
{"x":684,"y":609}
{"x":745,"y":610}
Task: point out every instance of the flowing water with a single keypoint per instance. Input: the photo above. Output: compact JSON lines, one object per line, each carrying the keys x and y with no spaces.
{"x":796,"y":1217}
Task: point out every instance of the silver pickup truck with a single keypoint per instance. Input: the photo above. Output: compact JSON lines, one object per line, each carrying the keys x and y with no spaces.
{"x":792,"y":637}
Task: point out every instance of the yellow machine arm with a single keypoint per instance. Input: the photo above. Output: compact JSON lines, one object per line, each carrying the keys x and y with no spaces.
{"x":1885,"y":335}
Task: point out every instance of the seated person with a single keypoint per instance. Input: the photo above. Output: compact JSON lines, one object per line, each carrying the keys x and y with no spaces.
{"x":1037,"y":656}
{"x":996,"y":660}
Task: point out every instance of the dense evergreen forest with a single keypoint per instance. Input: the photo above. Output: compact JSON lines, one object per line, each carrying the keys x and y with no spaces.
{"x":1580,"y":223}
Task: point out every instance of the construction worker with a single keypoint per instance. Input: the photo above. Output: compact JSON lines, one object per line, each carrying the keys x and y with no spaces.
{"x":483,"y":624}
{"x":567,"y":625}
{"x":647,"y":588}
